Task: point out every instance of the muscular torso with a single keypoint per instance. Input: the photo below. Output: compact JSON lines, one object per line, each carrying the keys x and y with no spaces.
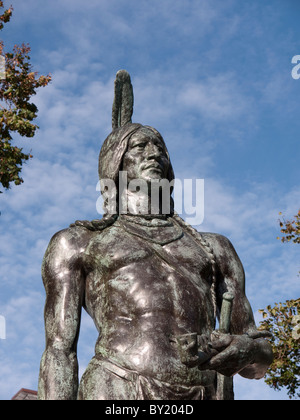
{"x":142,"y":295}
{"x":143,"y":287}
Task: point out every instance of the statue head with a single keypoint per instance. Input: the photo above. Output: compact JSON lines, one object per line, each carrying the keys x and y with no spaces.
{"x":126,"y":136}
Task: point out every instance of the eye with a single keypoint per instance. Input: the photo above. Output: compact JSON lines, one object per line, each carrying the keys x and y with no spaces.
{"x":159,"y":146}
{"x":139,"y":146}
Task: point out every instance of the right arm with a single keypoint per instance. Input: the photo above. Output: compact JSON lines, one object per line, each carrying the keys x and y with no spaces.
{"x":64,"y":283}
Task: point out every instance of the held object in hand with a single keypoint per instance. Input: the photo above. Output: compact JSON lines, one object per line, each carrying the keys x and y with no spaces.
{"x":225,"y":316}
{"x":205,"y":351}
{"x":196,"y":349}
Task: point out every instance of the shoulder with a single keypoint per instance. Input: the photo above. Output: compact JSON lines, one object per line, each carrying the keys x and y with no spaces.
{"x":219,"y":247}
{"x":65,"y":247}
{"x":72,"y":239}
{"x":220,"y":243}
{"x":225,"y":254}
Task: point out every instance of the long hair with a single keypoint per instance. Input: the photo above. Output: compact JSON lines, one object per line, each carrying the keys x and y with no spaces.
{"x":110,"y":163}
{"x":112,"y":153}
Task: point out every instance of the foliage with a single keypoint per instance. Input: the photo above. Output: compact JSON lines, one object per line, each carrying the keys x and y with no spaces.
{"x":283,"y":321}
{"x":291,"y":229}
{"x":284,"y":324}
{"x":16,"y":111}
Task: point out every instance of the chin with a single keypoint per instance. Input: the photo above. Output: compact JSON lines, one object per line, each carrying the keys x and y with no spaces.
{"x":151,"y":175}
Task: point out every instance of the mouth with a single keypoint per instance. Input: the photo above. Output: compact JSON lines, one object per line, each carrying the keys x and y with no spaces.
{"x":153,"y":165}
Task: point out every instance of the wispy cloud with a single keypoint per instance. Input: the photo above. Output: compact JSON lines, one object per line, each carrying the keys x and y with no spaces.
{"x":204,"y":76}
{"x":22,"y":348}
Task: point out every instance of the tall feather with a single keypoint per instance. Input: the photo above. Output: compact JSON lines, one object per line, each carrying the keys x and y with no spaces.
{"x":123,"y":101}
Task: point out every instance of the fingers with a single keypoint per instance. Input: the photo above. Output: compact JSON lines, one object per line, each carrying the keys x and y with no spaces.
{"x":211,"y":346}
{"x":220,"y":341}
{"x":233,"y":358}
{"x":259,"y":334}
{"x":221,"y":363}
{"x":228,"y":354}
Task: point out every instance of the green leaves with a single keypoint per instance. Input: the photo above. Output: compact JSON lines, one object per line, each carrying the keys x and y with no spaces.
{"x":11,"y":160}
{"x":16,"y":110}
{"x":283,"y":321}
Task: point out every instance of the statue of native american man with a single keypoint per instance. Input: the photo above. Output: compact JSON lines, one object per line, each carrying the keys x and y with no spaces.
{"x":153,"y":285}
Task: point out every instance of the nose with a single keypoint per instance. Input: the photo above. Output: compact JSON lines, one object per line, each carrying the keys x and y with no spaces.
{"x":152,"y":151}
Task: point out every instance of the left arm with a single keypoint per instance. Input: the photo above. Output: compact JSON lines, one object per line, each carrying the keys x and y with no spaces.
{"x":244,"y":350}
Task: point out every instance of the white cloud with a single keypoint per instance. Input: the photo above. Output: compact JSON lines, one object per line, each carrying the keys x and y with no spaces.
{"x":254,"y":390}
{"x":21,"y":350}
{"x":191,"y":66}
{"x":216,"y":98}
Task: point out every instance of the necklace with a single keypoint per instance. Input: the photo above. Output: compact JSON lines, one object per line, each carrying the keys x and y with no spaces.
{"x":161,"y":232}
{"x":148,"y":220}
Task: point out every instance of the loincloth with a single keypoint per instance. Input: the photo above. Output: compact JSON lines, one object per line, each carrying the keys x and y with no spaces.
{"x":104,"y":380}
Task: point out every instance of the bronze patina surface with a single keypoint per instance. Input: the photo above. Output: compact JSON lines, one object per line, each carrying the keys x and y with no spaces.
{"x":153,"y":286}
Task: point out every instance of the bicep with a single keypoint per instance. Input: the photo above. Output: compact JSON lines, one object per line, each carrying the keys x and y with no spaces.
{"x":64,"y":297}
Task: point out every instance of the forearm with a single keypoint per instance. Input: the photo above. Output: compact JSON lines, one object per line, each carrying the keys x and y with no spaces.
{"x":58,"y":375}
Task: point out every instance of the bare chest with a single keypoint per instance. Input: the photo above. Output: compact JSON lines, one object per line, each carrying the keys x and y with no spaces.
{"x":132,"y":277}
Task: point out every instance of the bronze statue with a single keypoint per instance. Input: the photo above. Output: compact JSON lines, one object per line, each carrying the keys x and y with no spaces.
{"x":153,"y":286}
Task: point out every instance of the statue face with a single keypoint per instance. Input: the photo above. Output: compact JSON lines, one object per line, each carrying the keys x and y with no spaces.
{"x":146,"y":157}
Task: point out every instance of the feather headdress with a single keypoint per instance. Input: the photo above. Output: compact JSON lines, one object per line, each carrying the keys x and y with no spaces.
{"x":123,"y":101}
{"x":115,"y":145}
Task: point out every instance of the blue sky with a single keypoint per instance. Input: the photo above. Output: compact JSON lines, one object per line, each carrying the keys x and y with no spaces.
{"x":214,"y":77}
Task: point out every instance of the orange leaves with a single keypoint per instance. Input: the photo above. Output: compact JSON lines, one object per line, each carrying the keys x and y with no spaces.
{"x":16,"y":111}
{"x":290,"y":229}
{"x":6,"y":15}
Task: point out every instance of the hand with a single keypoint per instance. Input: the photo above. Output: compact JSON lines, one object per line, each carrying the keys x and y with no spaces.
{"x":230,"y":354}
